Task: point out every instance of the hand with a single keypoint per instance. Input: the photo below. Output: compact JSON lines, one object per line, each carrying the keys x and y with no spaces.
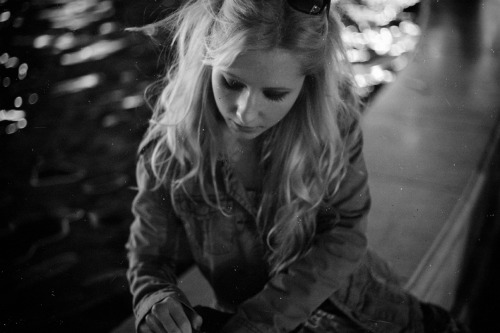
{"x":170,"y":316}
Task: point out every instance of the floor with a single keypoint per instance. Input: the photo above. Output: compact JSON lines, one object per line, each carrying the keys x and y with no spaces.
{"x":434,"y":127}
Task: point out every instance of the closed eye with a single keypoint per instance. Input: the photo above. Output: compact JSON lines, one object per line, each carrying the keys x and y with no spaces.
{"x":270,"y":93}
{"x":232,"y":84}
{"x":275,"y":96}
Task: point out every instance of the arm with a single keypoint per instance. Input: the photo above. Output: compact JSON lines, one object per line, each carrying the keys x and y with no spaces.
{"x":156,"y":243}
{"x":290,"y":297}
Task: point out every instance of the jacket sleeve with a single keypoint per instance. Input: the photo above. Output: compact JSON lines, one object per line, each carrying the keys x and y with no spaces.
{"x":156,"y":243}
{"x":290,"y":297}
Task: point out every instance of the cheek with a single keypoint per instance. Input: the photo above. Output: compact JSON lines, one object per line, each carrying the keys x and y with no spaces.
{"x":221,"y":99}
{"x":281,"y":112}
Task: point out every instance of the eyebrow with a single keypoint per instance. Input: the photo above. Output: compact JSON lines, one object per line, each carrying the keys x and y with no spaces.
{"x":277,"y":89}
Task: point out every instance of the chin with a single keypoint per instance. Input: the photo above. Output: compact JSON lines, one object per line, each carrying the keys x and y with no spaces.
{"x":247,"y":136}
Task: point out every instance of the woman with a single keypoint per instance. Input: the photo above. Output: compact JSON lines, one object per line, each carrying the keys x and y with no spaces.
{"x":252,"y":168}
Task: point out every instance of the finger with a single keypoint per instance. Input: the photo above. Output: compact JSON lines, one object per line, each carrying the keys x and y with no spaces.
{"x":144,"y":328}
{"x":170,"y":325}
{"x":195,"y":319}
{"x":178,"y":314}
{"x":162,"y":313}
{"x":154,"y":324}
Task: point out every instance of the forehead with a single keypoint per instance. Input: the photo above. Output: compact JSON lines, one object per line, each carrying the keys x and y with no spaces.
{"x":276,"y":67}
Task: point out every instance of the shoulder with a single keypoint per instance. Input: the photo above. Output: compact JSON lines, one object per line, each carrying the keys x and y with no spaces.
{"x":154,"y":163}
{"x":351,"y":136}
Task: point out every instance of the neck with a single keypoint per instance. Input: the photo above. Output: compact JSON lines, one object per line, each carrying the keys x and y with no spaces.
{"x":236,"y":147}
{"x":244,"y":159}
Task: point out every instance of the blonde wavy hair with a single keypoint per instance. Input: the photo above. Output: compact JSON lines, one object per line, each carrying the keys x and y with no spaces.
{"x":304,"y":155}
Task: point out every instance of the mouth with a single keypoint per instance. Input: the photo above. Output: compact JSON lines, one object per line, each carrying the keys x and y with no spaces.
{"x":245,"y":129}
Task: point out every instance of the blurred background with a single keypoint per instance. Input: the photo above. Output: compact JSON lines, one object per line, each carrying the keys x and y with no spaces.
{"x":72,"y":114}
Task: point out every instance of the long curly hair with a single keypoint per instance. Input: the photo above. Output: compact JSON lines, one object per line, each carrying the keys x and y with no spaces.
{"x":304,"y":155}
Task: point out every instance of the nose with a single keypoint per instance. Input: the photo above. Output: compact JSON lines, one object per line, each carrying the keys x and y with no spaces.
{"x":247,"y":108}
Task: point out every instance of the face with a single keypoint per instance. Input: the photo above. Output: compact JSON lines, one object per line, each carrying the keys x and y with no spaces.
{"x":256,"y":91}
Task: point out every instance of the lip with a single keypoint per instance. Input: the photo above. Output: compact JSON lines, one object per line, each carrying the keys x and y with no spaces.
{"x":245,"y":129}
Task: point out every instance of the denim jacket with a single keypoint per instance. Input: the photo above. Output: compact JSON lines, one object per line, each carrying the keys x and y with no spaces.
{"x":231,"y":255}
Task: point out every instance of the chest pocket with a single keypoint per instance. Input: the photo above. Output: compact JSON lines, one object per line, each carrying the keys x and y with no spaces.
{"x":209,"y":230}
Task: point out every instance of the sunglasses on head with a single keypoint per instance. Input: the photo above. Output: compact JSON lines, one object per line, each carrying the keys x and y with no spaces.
{"x":311,"y":7}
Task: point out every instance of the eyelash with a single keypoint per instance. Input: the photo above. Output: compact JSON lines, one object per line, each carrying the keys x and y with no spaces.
{"x":275,"y":97}
{"x":236,"y":86}
{"x":232,"y":84}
